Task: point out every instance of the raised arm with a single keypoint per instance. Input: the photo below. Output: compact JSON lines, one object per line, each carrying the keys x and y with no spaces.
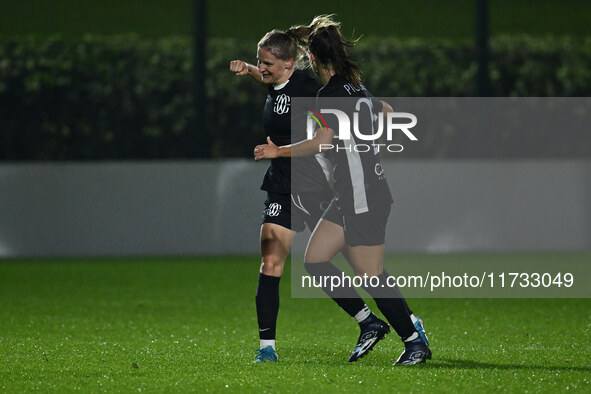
{"x":241,"y":68}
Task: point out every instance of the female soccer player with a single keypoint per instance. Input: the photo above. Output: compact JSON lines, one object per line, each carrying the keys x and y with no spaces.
{"x":356,"y":218}
{"x":292,"y":201}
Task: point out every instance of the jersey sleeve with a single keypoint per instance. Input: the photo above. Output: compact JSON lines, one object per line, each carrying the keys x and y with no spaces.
{"x":376,"y":103}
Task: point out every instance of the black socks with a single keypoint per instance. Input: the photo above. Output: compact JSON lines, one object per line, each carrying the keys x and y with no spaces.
{"x":346,"y":297}
{"x":394,"y":309}
{"x":267,"y":302}
{"x":388,"y":299}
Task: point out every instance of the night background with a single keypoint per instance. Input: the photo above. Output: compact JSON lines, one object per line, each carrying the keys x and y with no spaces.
{"x":115,"y":80}
{"x":130,"y":204}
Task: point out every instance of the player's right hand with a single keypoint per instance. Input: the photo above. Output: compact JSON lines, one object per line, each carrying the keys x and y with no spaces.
{"x":239,"y":67}
{"x":266,"y":151}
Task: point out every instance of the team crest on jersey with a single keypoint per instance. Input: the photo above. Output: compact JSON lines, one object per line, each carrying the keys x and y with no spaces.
{"x":379,"y":170}
{"x":282,"y":104}
{"x":273,"y":210}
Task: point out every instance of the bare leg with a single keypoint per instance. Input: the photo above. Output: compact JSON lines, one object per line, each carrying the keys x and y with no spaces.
{"x":366,"y":259}
{"x":275,"y":244}
{"x":326,"y":241}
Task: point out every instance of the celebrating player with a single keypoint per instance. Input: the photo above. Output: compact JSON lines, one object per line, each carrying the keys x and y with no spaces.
{"x":356,"y":218}
{"x":292,"y":201}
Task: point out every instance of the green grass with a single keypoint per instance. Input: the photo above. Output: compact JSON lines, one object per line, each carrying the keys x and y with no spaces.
{"x":188,"y":324}
{"x":250,"y":20}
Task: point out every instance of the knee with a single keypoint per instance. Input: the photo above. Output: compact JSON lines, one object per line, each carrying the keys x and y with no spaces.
{"x":370,"y":272}
{"x":272,"y":265}
{"x":316,"y":257}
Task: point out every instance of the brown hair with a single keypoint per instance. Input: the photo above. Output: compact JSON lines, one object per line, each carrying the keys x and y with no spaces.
{"x":330,"y":48}
{"x":293,"y":42}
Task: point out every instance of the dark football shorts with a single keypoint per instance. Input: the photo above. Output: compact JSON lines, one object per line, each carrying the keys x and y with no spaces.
{"x":296,"y":211}
{"x":365,"y":229}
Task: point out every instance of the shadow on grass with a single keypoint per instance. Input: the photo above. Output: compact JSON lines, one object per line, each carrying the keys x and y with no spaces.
{"x":450,"y":363}
{"x":303,"y":358}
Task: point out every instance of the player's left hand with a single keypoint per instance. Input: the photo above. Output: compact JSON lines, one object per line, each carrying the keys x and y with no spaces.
{"x":266,"y":151}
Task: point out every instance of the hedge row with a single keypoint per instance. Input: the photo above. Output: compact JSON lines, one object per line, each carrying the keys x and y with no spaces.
{"x":131,"y":98}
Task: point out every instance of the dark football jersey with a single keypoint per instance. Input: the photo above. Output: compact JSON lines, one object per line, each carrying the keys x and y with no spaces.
{"x":359,"y":180}
{"x":307,"y":172}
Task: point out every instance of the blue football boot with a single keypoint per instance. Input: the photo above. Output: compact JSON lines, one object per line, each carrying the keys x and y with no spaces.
{"x":418,"y":323}
{"x":266,"y":354}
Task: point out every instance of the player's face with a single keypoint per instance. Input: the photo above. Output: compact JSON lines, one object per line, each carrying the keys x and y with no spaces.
{"x":272,"y":69}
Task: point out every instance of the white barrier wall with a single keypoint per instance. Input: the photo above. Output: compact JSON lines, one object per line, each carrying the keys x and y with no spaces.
{"x":207,"y":207}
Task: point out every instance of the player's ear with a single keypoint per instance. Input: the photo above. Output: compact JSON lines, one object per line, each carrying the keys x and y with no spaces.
{"x":289,"y":64}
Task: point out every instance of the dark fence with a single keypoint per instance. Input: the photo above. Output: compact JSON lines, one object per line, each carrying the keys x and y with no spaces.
{"x":98,"y":98}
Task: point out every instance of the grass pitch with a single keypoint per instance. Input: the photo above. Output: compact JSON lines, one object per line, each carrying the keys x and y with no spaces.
{"x":188,"y":324}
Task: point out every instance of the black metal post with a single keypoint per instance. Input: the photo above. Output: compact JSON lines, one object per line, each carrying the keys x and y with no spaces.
{"x":200,"y":127}
{"x":482,"y":49}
